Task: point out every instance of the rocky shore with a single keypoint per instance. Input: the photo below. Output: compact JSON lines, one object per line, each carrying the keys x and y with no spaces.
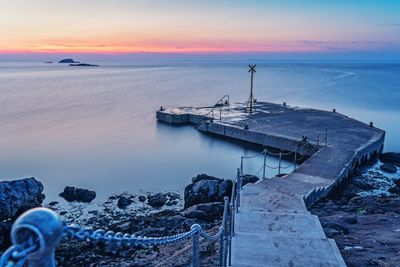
{"x":364,"y":218}
{"x":151,"y":214}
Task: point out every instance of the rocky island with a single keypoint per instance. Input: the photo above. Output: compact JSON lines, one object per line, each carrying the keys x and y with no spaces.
{"x":68,"y":60}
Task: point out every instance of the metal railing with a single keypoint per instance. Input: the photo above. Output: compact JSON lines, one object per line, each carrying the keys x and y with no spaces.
{"x":37,"y":232}
{"x":223,"y":101}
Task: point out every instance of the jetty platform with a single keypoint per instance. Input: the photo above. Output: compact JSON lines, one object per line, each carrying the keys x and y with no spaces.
{"x":273,"y":226}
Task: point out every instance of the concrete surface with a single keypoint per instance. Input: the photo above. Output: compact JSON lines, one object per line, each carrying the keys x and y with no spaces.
{"x":273,"y":226}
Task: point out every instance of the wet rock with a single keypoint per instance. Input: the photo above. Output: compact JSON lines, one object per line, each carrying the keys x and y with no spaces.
{"x":343,"y":230}
{"x":124,"y":202}
{"x":249,"y":179}
{"x":142,"y":198}
{"x":53,"y":203}
{"x":18,"y":196}
{"x":389,"y":168}
{"x":71,"y":193}
{"x":206,"y":211}
{"x":205,"y":189}
{"x":391,"y":158}
{"x":203,"y":176}
{"x":395,"y":190}
{"x":157,"y":200}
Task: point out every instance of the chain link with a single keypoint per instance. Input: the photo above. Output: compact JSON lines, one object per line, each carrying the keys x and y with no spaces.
{"x":15,"y":256}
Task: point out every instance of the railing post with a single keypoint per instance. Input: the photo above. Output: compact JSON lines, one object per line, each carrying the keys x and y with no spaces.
{"x":317,"y":141}
{"x":220,"y":113}
{"x":196,"y":245}
{"x":295,"y":160}
{"x":280,"y":160}
{"x":241,"y":165}
{"x":326,"y":136}
{"x":231,"y":231}
{"x":238,"y":189}
{"x":265,"y":161}
{"x":45,"y":227}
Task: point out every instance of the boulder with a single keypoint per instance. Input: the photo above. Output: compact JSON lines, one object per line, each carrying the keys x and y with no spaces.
{"x":205,"y":189}
{"x":157,"y":200}
{"x":71,"y":193}
{"x":124,"y":202}
{"x":390,"y":157}
{"x":142,"y":198}
{"x":20,"y":195}
{"x":389,"y":168}
{"x":207,"y":211}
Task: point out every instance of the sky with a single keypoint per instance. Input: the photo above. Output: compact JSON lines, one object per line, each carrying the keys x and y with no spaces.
{"x":319,"y":28}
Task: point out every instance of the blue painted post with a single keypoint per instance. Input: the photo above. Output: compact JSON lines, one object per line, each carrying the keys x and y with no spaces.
{"x":45,"y":227}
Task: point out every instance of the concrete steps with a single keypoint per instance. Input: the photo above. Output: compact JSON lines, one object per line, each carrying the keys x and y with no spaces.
{"x":272,"y":251}
{"x":280,"y":224}
{"x":273,"y":228}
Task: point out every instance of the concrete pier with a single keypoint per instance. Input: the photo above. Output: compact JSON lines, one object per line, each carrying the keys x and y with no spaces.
{"x":273,"y":226}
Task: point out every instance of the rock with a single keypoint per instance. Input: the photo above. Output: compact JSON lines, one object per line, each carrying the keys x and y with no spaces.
{"x":157,"y":200}
{"x":71,"y":193}
{"x":206,"y":189}
{"x":394,"y":190}
{"x":83,"y":65}
{"x":124,"y":202}
{"x":20,"y":195}
{"x":53,"y":203}
{"x":67,"y":60}
{"x":203,"y":176}
{"x":336,"y":226}
{"x":391,"y":158}
{"x":196,"y":214}
{"x":206,"y":211}
{"x":249,"y":179}
{"x":142,"y":198}
{"x":351,"y":220}
{"x":389,"y":168}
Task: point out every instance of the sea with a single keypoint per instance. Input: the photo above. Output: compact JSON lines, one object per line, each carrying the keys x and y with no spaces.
{"x":95,"y":127}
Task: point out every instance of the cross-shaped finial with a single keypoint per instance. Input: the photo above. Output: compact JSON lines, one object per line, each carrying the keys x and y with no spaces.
{"x":252,"y":68}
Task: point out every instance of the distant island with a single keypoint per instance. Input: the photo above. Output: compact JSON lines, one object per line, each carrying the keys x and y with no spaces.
{"x":49,"y":62}
{"x":83,"y":65}
{"x":68,"y":60}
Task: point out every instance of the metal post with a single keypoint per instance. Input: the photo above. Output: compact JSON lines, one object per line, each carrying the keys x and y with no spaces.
{"x":295,"y":160}
{"x":265,"y":160}
{"x":220,"y":113}
{"x":231,"y":232}
{"x":226,"y":230}
{"x":45,"y":226}
{"x":196,"y":250}
{"x":326,"y":136}
{"x":238,"y":188}
{"x":317,"y":141}
{"x":280,"y":159}
{"x":221,"y":249}
{"x":212,"y":112}
{"x":241,"y":165}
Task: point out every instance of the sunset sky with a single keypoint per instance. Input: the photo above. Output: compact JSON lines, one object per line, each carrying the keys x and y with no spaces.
{"x":199,"y":27}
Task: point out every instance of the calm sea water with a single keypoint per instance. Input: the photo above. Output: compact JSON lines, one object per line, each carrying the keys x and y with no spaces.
{"x":96,"y":127}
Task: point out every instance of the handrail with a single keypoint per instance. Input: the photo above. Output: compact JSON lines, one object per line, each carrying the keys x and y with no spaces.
{"x":35,"y":241}
{"x":219,"y":105}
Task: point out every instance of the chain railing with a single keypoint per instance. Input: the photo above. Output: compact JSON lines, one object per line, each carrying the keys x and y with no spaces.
{"x":37,"y":232}
{"x":297,"y":157}
{"x":223,"y":101}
